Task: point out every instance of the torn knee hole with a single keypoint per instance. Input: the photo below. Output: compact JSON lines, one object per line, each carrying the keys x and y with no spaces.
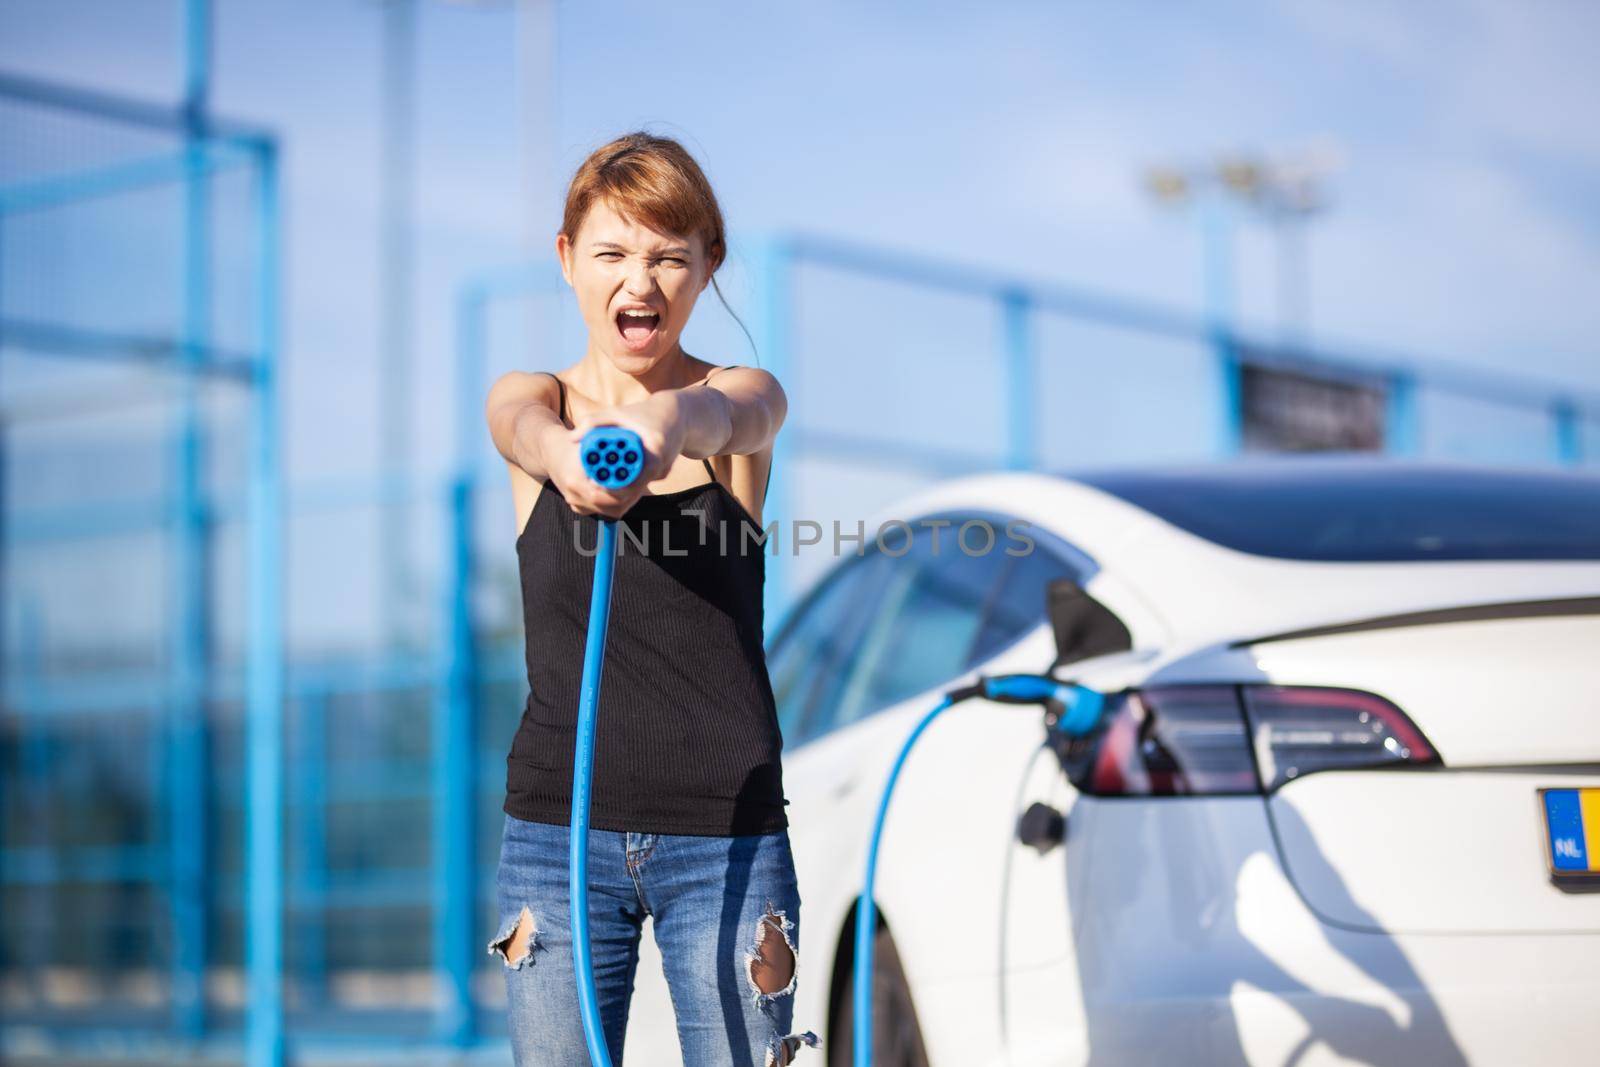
{"x":772,"y":964}
{"x":516,"y":946}
{"x":781,"y":1050}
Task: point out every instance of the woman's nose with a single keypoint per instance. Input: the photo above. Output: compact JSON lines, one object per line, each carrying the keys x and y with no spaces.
{"x":639,"y":278}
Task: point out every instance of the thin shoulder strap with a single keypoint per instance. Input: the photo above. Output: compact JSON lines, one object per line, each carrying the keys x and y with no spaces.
{"x":714,"y":370}
{"x":707,"y":460}
{"x":561,"y":385}
{"x":764,"y":488}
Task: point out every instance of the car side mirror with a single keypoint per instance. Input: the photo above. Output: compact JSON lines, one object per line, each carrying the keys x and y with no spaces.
{"x":1083,"y":626}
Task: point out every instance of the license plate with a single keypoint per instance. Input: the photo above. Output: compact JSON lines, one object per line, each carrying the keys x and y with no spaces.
{"x":1572,"y":832}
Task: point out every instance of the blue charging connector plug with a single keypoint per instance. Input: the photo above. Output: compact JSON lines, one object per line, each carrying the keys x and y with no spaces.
{"x":1071,"y":710}
{"x":613,"y":457}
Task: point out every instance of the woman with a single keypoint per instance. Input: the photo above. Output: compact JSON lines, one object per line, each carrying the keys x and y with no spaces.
{"x":687,"y":819}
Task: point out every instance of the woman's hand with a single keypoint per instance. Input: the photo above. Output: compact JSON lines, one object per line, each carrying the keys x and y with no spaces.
{"x":658,"y":420}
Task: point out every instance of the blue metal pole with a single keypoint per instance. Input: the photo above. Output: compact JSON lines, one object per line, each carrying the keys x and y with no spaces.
{"x":187,"y":764}
{"x":455,"y":867}
{"x":46,"y":193}
{"x":187,"y":793}
{"x":397,"y":321}
{"x":264,"y":1031}
{"x":1217,"y":236}
{"x":5,"y":588}
{"x":312,"y":824}
{"x":1568,"y":441}
{"x":1021,"y":444}
{"x":927,"y":273}
{"x":1400,"y":416}
{"x":116,"y":108}
{"x":33,"y":738}
{"x":775,"y":295}
{"x":197,"y":66}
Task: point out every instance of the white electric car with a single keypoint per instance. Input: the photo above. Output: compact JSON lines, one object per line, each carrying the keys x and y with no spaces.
{"x":1312,"y":827}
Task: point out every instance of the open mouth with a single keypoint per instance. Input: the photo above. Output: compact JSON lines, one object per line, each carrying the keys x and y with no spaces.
{"x":637,"y":327}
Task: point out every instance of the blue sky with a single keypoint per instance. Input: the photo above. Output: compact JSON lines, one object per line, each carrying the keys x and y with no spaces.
{"x":1465,"y":221}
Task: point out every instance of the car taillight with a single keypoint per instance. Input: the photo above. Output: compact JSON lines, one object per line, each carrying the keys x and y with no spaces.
{"x":1169,"y":740}
{"x":1300,"y":729}
{"x":1241,"y":739}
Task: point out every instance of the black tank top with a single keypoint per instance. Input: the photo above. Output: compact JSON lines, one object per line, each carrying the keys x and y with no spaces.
{"x":686,"y":738}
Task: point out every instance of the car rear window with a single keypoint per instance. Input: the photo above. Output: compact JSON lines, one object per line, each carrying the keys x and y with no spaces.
{"x":1367,"y":511}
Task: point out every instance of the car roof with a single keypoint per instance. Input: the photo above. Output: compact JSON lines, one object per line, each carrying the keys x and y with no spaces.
{"x":1367,"y":508}
{"x":1372,"y":471}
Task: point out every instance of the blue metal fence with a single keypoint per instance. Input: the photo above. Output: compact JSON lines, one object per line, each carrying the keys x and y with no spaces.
{"x":201,"y":150}
{"x":300,"y":735}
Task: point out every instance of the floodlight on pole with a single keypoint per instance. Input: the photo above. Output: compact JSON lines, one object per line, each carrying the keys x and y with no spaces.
{"x":1284,"y":190}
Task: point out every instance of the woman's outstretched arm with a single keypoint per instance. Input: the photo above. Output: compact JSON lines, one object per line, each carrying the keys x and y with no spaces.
{"x":522,"y":412}
{"x":736,"y":411}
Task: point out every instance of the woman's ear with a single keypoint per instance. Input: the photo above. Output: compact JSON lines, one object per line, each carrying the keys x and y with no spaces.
{"x":713,"y":261}
{"x":564,"y":254}
{"x":712,"y":266}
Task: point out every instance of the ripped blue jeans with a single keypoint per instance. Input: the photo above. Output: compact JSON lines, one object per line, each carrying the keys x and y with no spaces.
{"x":726,"y":914}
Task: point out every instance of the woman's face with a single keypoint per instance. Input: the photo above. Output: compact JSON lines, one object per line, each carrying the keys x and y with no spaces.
{"x":616,"y":265}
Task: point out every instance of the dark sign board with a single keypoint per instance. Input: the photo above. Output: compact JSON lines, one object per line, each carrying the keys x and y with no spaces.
{"x":1302,"y":411}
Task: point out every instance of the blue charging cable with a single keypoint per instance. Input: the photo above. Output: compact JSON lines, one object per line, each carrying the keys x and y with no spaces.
{"x":612,"y":457}
{"x":1074,"y":710}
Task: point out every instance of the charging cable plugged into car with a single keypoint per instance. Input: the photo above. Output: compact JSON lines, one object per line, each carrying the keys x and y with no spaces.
{"x":1072,"y":714}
